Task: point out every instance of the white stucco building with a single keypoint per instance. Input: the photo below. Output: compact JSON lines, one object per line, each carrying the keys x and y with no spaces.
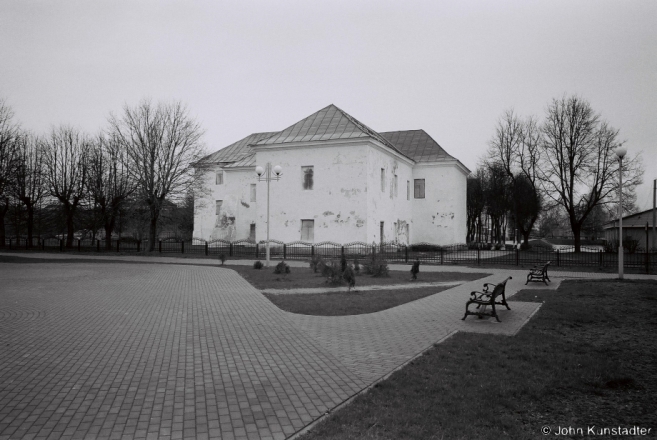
{"x":341,"y":181}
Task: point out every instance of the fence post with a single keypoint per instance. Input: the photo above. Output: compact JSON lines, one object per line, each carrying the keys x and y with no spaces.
{"x":312,"y":250}
{"x":647,"y":261}
{"x":206,"y":249}
{"x":160,"y":246}
{"x":43,"y":244}
{"x":442,"y":251}
{"x":117,"y":244}
{"x":182,"y":247}
{"x":79,"y":245}
{"x":97,"y":245}
{"x":558,"y":262}
{"x":600,"y":257}
{"x":230,"y":249}
{"x":61,"y":245}
{"x":285,"y":251}
{"x":517,"y":256}
{"x":138,"y":245}
{"x":10,"y":244}
{"x":257,"y":244}
{"x":406,"y":253}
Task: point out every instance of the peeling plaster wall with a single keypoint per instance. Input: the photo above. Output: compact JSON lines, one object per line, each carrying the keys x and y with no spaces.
{"x":337,"y":203}
{"x":237,"y":211}
{"x":384,"y":206}
{"x":440,"y":217}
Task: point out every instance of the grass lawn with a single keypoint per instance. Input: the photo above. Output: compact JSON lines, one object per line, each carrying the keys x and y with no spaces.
{"x":352,"y":303}
{"x":301,"y":277}
{"x":586,"y":358}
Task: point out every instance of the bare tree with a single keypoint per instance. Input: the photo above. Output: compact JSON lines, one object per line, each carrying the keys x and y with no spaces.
{"x":476,"y":203}
{"x":29,"y":182}
{"x":162,"y":143}
{"x":514,"y":148}
{"x":109,"y":182}
{"x":578,"y":167}
{"x":66,"y":152}
{"x":9,"y":131}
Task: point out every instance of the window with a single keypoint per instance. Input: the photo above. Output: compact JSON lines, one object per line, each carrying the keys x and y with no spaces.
{"x":383,"y":180}
{"x":396,"y":182}
{"x":307,"y":174}
{"x":253,"y":192}
{"x":419,"y":188}
{"x":408,"y":190}
{"x":219,"y":178}
{"x":219,"y":203}
{"x":308,"y":230}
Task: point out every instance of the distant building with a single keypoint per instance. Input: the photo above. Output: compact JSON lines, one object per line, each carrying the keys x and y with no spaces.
{"x":341,"y":181}
{"x":636,"y":226}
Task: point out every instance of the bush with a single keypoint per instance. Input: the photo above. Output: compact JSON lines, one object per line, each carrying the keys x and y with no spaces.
{"x":630,"y":244}
{"x":316,"y":263}
{"x":332,"y":272}
{"x":222,"y":258}
{"x":611,"y":246}
{"x":282,"y":268}
{"x":257,"y":265}
{"x":376,"y":266}
{"x":415,"y":269}
{"x":349,"y":276}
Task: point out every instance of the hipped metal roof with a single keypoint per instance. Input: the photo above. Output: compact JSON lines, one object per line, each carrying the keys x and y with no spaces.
{"x":330,"y":123}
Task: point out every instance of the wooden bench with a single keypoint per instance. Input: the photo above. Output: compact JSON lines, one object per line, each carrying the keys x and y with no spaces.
{"x":541,"y":274}
{"x":488,"y":298}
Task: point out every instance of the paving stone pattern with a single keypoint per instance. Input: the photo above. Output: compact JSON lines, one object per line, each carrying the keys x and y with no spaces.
{"x":170,"y":351}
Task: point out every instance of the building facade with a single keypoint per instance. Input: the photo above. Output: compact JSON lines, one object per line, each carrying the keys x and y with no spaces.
{"x":341,"y":181}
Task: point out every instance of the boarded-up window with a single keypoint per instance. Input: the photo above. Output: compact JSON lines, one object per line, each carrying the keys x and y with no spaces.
{"x":253,"y":192}
{"x":307,"y":174}
{"x":383,"y":180}
{"x":308,"y":230}
{"x":219,"y":178}
{"x":419,"y":188}
{"x":218,"y":208}
{"x":408,"y":190}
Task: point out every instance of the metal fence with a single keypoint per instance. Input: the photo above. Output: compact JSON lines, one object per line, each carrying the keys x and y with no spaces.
{"x":392,"y":252}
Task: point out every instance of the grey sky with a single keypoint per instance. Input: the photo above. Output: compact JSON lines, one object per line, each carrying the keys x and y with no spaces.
{"x":450,"y":68}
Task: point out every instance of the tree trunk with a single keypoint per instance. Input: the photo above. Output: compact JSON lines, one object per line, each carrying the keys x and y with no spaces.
{"x":577,"y":233}
{"x":30,"y":223}
{"x":109,"y":228}
{"x":3,"y":211}
{"x":152,"y":229}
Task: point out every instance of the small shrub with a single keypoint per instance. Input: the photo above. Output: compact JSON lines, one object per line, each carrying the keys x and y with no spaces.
{"x":257,"y":265}
{"x":376,"y":266}
{"x":356,"y":266}
{"x":631,"y":245}
{"x":332,"y":272}
{"x":316,"y":263}
{"x":415,"y":269}
{"x":222,"y":258}
{"x":349,"y":276}
{"x":282,"y":268}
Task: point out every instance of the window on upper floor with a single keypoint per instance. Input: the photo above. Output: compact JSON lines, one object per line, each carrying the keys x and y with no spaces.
{"x":419,"y":188}
{"x":307,"y":177}
{"x":219,"y":178}
{"x":253,"y":192}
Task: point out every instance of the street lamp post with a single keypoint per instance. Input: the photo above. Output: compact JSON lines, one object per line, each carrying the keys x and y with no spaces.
{"x":620,"y":153}
{"x":265,"y":174}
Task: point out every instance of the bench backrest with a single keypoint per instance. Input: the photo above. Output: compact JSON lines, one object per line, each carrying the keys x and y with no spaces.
{"x":499,"y":289}
{"x":544,"y":270}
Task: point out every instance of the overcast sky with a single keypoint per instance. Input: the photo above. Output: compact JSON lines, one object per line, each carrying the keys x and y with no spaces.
{"x":448,"y":67}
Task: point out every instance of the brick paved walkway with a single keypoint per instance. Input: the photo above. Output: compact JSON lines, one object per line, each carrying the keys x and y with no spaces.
{"x":102,"y":350}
